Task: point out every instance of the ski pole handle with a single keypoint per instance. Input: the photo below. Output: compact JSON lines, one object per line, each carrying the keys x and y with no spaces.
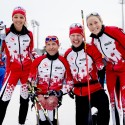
{"x":82,"y":14}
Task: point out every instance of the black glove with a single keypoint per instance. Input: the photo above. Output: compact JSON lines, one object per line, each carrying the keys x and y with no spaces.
{"x":71,"y":94}
{"x":58,"y":94}
{"x":55,"y":93}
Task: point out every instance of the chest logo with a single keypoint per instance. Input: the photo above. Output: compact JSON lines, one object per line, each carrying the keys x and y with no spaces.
{"x":12,"y":39}
{"x":44,"y":65}
{"x":108,"y":43}
{"x":25,"y":40}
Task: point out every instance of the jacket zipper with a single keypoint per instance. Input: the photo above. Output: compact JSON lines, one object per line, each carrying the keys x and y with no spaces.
{"x":50,"y":74}
{"x":20,"y":52}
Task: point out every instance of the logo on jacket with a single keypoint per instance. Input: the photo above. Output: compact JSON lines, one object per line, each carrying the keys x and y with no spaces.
{"x":25,"y":40}
{"x":44,"y":65}
{"x":12,"y":39}
{"x":82,"y":59}
{"x":58,"y":67}
{"x":106,"y":44}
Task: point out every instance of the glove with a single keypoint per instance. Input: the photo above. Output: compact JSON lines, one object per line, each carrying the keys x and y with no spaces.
{"x":55,"y":93}
{"x":2,"y":26}
{"x":58,"y":94}
{"x":42,"y":102}
{"x":2,"y":31}
{"x":51,"y":102}
{"x":71,"y":94}
{"x":99,"y":66}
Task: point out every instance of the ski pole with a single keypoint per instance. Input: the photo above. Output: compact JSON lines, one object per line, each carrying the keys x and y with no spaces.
{"x":89,"y":97}
{"x":36,"y":100}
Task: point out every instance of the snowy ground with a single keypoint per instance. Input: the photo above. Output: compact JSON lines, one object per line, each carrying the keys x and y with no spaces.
{"x":66,"y":111}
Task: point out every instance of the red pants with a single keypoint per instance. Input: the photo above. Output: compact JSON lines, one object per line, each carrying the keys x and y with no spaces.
{"x":11,"y":79}
{"x":111,"y":77}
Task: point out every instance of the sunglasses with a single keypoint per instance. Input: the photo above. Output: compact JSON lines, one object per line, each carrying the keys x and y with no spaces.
{"x":19,"y":8}
{"x":51,"y":39}
{"x":92,"y":14}
{"x":76,"y":25}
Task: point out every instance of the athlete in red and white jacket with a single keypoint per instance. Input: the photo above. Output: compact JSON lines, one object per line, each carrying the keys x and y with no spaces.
{"x":110,"y":41}
{"x":84,"y":61}
{"x":49,"y":72}
{"x":18,"y":47}
{"x":77,"y":60}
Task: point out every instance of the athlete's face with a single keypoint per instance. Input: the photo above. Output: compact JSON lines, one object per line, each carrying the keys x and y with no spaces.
{"x":76,"y":39}
{"x":52,"y":47}
{"x":94,"y":24}
{"x":18,"y":20}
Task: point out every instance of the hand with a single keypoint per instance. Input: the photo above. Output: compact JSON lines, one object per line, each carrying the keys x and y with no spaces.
{"x":55,"y":93}
{"x":99,"y":66}
{"x":71,"y":94}
{"x":2,"y":26}
{"x":58,"y":94}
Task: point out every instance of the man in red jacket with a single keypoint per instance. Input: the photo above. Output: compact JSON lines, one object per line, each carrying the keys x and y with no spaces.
{"x":50,"y":70}
{"x":84,"y":61}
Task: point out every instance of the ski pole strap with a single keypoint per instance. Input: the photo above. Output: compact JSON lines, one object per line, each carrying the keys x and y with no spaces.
{"x":85,"y":84}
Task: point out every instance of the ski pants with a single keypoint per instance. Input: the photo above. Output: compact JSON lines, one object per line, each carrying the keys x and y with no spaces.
{"x":111,"y":78}
{"x":99,"y":100}
{"x":10,"y":81}
{"x":2,"y":72}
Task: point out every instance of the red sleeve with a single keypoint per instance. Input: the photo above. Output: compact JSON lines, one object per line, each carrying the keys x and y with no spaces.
{"x":68,"y":76}
{"x":34,"y":68}
{"x":68,"y":71}
{"x":31,"y":47}
{"x":67,"y":52}
{"x":116,"y":33}
{"x":95,"y":54}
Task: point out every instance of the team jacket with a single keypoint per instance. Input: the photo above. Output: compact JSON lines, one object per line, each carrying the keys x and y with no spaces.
{"x":111,"y":43}
{"x":77,"y":61}
{"x":50,"y":72}
{"x":18,"y":47}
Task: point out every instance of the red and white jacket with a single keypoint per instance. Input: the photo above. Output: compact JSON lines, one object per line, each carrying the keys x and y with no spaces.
{"x":111,"y":43}
{"x":77,"y":61}
{"x":19,"y":48}
{"x":50,"y":73}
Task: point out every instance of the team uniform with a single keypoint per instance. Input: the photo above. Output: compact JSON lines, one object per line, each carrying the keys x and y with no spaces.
{"x":18,"y":47}
{"x":50,"y":73}
{"x":111,"y":43}
{"x":77,"y":61}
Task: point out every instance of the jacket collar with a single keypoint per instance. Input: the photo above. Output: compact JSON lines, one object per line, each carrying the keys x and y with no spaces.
{"x":22,"y":32}
{"x":54,"y":57}
{"x":76,"y":49}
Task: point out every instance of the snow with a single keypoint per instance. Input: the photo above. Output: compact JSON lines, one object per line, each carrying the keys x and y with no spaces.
{"x":66,"y":112}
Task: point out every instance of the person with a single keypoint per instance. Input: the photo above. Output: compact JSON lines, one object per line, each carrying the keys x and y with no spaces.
{"x":50,"y":71}
{"x":2,"y":55}
{"x":84,"y":60}
{"x":18,"y":47}
{"x":110,"y":41}
{"x":2,"y":68}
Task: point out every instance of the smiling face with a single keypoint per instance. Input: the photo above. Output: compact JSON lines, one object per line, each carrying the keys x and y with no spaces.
{"x":76,"y":39}
{"x":18,"y":20}
{"x":52,"y":47}
{"x":94,"y":24}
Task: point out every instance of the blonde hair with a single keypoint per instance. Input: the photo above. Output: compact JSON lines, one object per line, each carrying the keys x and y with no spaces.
{"x":94,"y":14}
